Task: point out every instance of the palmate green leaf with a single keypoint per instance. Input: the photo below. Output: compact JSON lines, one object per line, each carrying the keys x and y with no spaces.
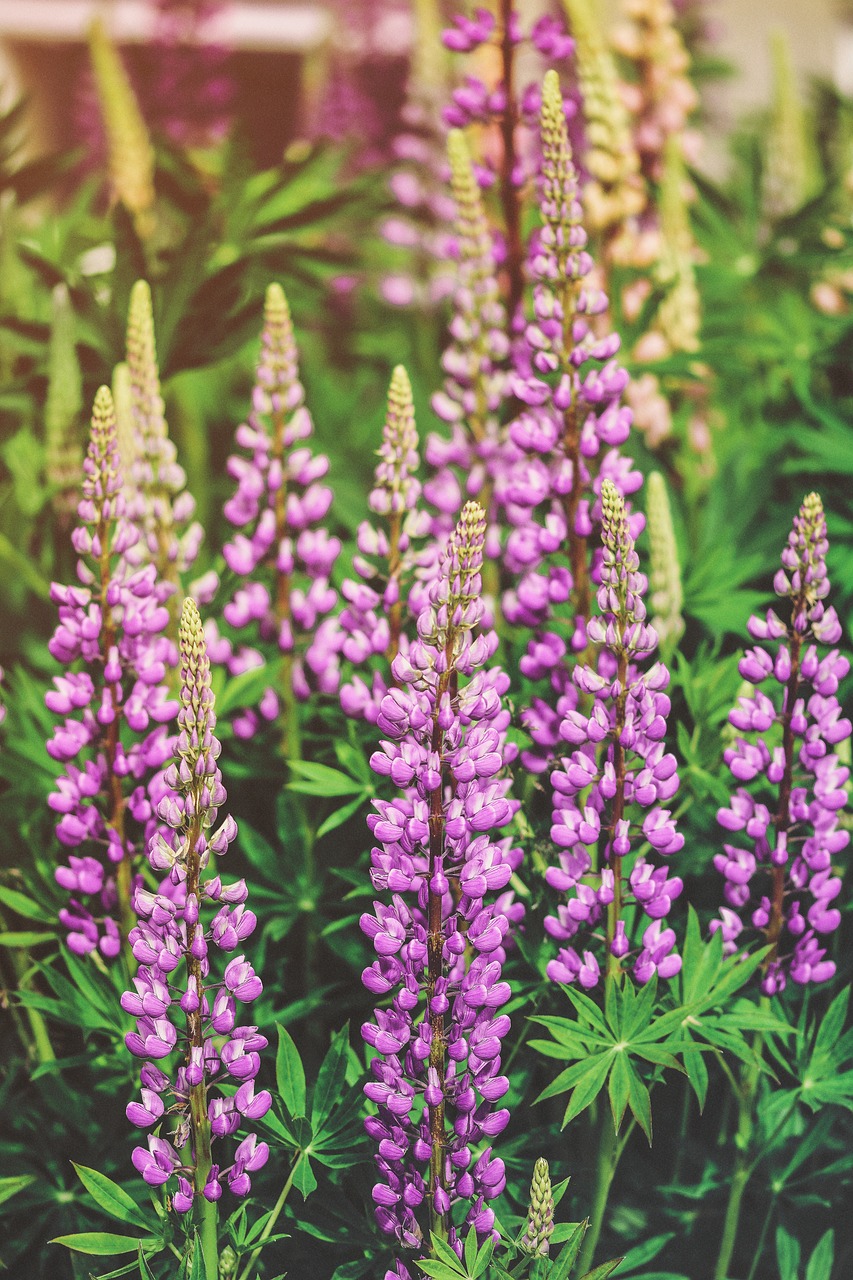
{"x":697,"y":1074}
{"x":787,"y":1254}
{"x":103,"y":1243}
{"x":829,"y":1030}
{"x":561,"y":1268}
{"x":618,"y":1086}
{"x":602,"y":1271}
{"x":588,"y":1011}
{"x":640,"y":1102}
{"x":11,"y":1186}
{"x":820,"y":1263}
{"x":112,"y":1198}
{"x":331,"y":1079}
{"x":290,"y":1074}
{"x":588,"y":1087}
{"x":303,"y":1177}
{"x":25,"y":906}
{"x":323,"y":780}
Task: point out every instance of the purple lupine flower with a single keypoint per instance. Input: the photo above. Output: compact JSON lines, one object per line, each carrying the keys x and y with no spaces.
{"x":568,"y":436}
{"x":793,"y":784}
{"x":283,"y":554}
{"x":178,"y":1000}
{"x":439,"y":944}
{"x":609,"y":792}
{"x":114,"y":737}
{"x":157,"y":497}
{"x":377,"y":606}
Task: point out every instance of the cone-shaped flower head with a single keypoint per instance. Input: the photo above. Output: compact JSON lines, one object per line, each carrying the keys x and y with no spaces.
{"x":125,"y":432}
{"x":439,"y":943}
{"x":614,"y":193}
{"x":790,"y":175}
{"x":396,"y":488}
{"x":131,"y":156}
{"x":608,"y":793}
{"x":283,"y":554}
{"x":63,"y":408}
{"x":113,"y":741}
{"x":193,"y":1009}
{"x":161,"y":505}
{"x":378,"y":618}
{"x":667,"y":596}
{"x":678,"y":318}
{"x":793,"y":783}
{"x":540,"y":1214}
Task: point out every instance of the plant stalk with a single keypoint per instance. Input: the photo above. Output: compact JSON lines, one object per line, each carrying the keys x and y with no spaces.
{"x":269,"y":1225}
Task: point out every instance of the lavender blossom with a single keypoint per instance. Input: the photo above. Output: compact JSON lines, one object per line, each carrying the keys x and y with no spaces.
{"x":194,"y":1012}
{"x":390,"y":555}
{"x":608,"y":793}
{"x":113,"y":740}
{"x":782,"y":883}
{"x":568,"y":435}
{"x":283,"y":554}
{"x":436,"y":1077}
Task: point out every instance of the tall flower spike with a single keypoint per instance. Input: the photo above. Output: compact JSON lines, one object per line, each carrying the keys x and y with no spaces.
{"x":567,"y":436}
{"x":660,"y":98}
{"x":678,"y":318}
{"x":790,"y":175}
{"x":179,"y":1002}
{"x":162,"y":506}
{"x":667,"y":596}
{"x":390,"y":555}
{"x":614,"y":193}
{"x":285,"y":556}
{"x":540,"y":1214}
{"x":436,"y":1076}
{"x":63,"y":409}
{"x":125,"y":433}
{"x":608,"y":793}
{"x":793,"y":782}
{"x":113,"y":740}
{"x":131,"y":156}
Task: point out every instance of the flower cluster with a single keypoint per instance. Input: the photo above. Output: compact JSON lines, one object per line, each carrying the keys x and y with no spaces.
{"x":283,"y":554}
{"x":608,"y":794}
{"x":667,"y":596}
{"x":177,"y":1000}
{"x":436,"y":1078}
{"x":568,"y":432}
{"x":113,"y":740}
{"x":783,"y":881}
{"x":377,"y":607}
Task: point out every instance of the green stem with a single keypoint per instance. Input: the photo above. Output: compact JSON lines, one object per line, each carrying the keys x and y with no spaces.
{"x":759,"y":1248}
{"x":743,"y":1164}
{"x":269,"y":1226}
{"x":605,"y":1168}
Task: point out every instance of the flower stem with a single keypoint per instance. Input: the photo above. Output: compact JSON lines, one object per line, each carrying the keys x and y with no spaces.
{"x":275,"y":1214}
{"x":605,"y":1168}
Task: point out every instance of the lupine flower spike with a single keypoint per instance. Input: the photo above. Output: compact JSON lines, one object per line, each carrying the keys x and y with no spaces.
{"x":436,"y":1077}
{"x":389,"y":554}
{"x":608,"y":794}
{"x":667,"y":595}
{"x":283,"y":554}
{"x":568,"y":435}
{"x":131,"y":156}
{"x":179,"y":1001}
{"x":793,"y":783}
{"x":474,"y":364}
{"x":790,"y":175}
{"x":63,"y":410}
{"x":540,"y":1215}
{"x":161,"y":504}
{"x":111,"y":637}
{"x":614,"y":193}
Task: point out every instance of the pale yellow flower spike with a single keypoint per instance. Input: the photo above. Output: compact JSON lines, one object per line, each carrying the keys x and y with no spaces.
{"x":679,"y":315}
{"x":667,"y":596}
{"x":615,"y":192}
{"x":791,"y":175}
{"x":131,"y":156}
